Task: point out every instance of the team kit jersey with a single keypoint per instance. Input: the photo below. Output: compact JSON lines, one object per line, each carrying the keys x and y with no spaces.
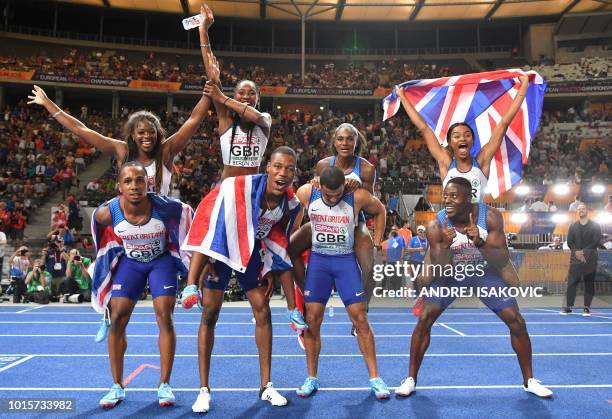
{"x":166,"y":178}
{"x":475,"y":176}
{"x":355,"y":174}
{"x":251,"y":277}
{"x":145,"y":257}
{"x":243,"y":150}
{"x":332,"y":259}
{"x":464,"y":252}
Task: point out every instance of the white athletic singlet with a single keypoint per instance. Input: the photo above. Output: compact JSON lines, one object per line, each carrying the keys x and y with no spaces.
{"x":242,"y":152}
{"x":462,"y":248}
{"x":355,"y":173}
{"x":166,"y":178}
{"x":333,"y":228}
{"x":474,"y":175}
{"x":142,"y":243}
{"x":267,"y":218}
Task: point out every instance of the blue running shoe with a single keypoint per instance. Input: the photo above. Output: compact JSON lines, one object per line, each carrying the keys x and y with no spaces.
{"x":379,"y":388}
{"x":114,"y":396}
{"x":190,"y":296}
{"x":103,"y":330}
{"x":311,"y":384}
{"x":297,"y":319}
{"x":165,"y":396}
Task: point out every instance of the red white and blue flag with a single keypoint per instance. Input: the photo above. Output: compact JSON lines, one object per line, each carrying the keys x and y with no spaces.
{"x":225,"y":224}
{"x":175,"y":215}
{"x":480,"y":100}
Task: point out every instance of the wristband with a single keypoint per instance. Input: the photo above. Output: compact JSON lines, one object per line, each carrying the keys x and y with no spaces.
{"x":225,"y":101}
{"x":204,"y":45}
{"x":246,"y":105}
{"x":57,"y":113}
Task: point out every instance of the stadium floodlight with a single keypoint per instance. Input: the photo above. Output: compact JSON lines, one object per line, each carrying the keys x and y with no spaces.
{"x":603,"y":217}
{"x":522,"y":190}
{"x":519,"y":217}
{"x":322,"y":108}
{"x":278,"y":106}
{"x":559,"y":218}
{"x":561,"y":189}
{"x":598,"y":189}
{"x":297,"y":110}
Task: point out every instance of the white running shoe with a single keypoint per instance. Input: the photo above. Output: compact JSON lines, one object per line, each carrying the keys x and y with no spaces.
{"x":270,"y":394}
{"x":407,"y":387}
{"x":202,"y":403}
{"x":534,"y":386}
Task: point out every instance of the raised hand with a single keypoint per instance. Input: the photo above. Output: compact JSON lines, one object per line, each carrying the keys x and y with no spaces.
{"x":448,"y":233}
{"x":316,"y":182}
{"x":38,"y":97}
{"x":207,"y":17}
{"x":471,"y":231}
{"x":400,"y":92}
{"x":351,"y":185}
{"x":212,"y":91}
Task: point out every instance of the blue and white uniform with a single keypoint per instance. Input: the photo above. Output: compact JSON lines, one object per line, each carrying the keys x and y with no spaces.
{"x":465,"y":253}
{"x":476,"y":177}
{"x":145,"y":257}
{"x":243,"y":151}
{"x":355,"y":174}
{"x":332,"y":259}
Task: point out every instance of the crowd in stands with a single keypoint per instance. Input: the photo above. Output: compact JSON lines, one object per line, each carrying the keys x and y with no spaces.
{"x":112,"y":65}
{"x":587,"y":69}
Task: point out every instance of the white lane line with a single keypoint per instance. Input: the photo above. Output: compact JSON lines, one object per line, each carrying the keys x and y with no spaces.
{"x":398,"y":314}
{"x":450,"y":355}
{"x":498,"y":322}
{"x":27,"y":309}
{"x":577,"y":313}
{"x":452,"y":329}
{"x":19,"y":361}
{"x":253,"y":389}
{"x":347,"y":336}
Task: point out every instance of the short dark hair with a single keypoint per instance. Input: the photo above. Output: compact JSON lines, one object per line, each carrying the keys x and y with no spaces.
{"x":284,"y":150}
{"x":132,"y":163}
{"x":461,"y":181}
{"x":332,"y":177}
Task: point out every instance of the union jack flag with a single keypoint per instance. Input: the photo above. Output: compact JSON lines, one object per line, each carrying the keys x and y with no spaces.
{"x":480,"y":100}
{"x":225,"y":224}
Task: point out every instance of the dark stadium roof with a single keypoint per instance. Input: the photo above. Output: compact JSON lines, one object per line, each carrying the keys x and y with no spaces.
{"x":350,"y":10}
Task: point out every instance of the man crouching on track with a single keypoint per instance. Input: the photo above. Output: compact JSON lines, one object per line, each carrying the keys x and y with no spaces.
{"x":333,"y":215}
{"x":471,"y":235}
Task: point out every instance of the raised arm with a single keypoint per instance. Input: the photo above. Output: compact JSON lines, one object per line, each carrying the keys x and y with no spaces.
{"x":439,"y":153}
{"x":105,"y":144}
{"x":223,"y":102}
{"x":207,"y":55}
{"x":103,"y":216}
{"x":486,"y":153}
{"x":179,"y":140}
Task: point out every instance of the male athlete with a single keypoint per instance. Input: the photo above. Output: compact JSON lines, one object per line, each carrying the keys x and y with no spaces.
{"x":137,"y":238}
{"x":248,"y":210}
{"x":478,"y":248}
{"x":333,"y":215}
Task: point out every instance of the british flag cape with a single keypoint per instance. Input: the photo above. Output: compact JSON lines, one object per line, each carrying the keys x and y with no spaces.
{"x":225,"y":224}
{"x":175,"y":215}
{"x":480,"y":100}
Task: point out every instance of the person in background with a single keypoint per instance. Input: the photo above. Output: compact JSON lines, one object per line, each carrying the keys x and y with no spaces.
{"x":539,"y":206}
{"x":422,"y":205}
{"x":55,"y":258}
{"x":583,"y":239}
{"x":406,"y":233}
{"x":416,"y":251}
{"x":37,"y":283}
{"x":574,"y":205}
{"x":556,"y":244}
{"x":394,"y":252}
{"x":552,"y":207}
{"x":78,"y":280}
{"x":19,"y":263}
{"x":3,"y":243}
